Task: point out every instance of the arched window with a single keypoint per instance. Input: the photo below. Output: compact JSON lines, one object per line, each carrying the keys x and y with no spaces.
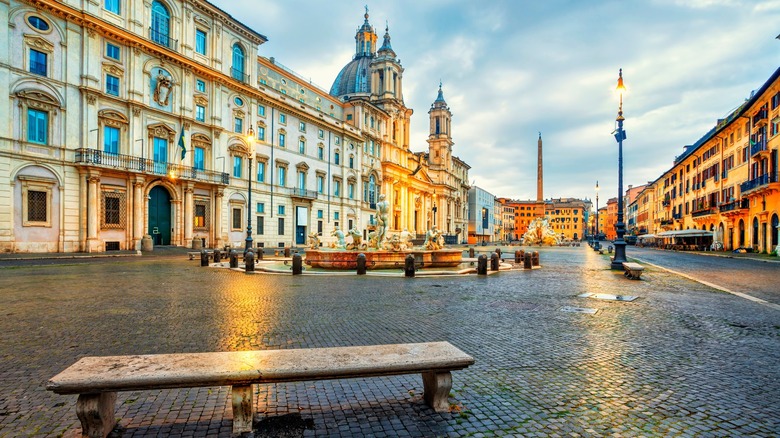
{"x":161,"y":24}
{"x":372,"y":191}
{"x":237,"y":70}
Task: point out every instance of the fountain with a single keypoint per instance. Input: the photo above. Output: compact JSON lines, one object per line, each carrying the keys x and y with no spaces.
{"x":540,"y":233}
{"x":381,"y":251}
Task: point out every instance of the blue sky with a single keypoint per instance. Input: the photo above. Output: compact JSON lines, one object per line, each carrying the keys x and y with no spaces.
{"x":513,"y":68}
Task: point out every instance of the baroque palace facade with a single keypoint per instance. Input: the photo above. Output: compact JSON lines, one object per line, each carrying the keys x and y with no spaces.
{"x":125,"y":119}
{"x":726,"y":183}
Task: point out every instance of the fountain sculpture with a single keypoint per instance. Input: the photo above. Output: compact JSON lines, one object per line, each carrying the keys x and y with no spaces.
{"x":540,"y":233}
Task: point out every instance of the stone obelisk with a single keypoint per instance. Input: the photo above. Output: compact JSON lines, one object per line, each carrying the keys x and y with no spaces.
{"x":539,"y":174}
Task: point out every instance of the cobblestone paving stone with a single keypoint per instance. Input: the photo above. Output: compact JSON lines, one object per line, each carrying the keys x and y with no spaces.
{"x":682,"y":360}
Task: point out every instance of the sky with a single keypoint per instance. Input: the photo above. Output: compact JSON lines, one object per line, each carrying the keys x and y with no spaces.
{"x":511,"y":69}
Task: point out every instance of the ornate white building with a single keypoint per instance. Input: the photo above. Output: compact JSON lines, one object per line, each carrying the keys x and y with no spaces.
{"x":125,"y":119}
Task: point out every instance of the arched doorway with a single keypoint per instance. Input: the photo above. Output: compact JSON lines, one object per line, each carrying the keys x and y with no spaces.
{"x":160,"y":216}
{"x":774,"y":231}
{"x":754,"y":240}
{"x":741,"y":231}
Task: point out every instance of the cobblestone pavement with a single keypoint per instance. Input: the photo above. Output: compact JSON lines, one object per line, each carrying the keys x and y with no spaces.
{"x":681,"y":360}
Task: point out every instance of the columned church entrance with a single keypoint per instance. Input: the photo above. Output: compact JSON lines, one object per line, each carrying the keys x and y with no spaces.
{"x":160,"y":216}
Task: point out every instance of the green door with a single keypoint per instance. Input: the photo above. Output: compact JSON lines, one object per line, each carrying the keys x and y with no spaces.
{"x":160,"y":216}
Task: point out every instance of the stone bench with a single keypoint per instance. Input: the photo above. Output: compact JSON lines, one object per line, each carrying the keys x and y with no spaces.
{"x":98,"y":379}
{"x":633,"y":270}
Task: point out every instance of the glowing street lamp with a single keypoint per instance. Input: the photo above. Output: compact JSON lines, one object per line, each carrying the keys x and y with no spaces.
{"x":250,"y":138}
{"x":620,"y":227}
{"x":596,"y":244}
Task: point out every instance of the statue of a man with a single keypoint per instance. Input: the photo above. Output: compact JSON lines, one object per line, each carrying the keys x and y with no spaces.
{"x":381,"y":218}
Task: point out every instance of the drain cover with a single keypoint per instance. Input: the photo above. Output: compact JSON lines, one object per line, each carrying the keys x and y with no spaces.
{"x":579,"y":310}
{"x":609,"y":297}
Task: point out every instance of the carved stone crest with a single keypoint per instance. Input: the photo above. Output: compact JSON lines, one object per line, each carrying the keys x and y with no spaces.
{"x":163,"y":89}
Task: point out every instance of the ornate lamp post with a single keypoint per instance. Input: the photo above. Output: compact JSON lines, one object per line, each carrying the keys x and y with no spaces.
{"x":434,"y":209}
{"x":250,"y":137}
{"x":596,"y":244}
{"x":620,"y":227}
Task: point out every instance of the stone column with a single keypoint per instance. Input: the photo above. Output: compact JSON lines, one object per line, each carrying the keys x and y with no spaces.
{"x":93,"y":208}
{"x":139,"y":200}
{"x":188,"y":214}
{"x":176,"y":233}
{"x":217,"y":242}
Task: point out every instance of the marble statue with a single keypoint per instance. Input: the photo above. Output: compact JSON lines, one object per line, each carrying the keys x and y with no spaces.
{"x":382,"y":208}
{"x":373,"y":240}
{"x":406,"y":238}
{"x":433,"y":240}
{"x":540,"y":233}
{"x":341,"y":242}
{"x":357,"y":239}
{"x":394,"y":243}
{"x":314,"y":241}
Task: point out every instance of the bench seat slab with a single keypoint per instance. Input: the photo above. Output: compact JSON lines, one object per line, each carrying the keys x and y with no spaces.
{"x":243,"y":408}
{"x":96,"y":414}
{"x":436,"y":389}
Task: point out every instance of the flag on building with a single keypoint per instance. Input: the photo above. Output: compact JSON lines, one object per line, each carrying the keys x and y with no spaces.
{"x":181,"y":144}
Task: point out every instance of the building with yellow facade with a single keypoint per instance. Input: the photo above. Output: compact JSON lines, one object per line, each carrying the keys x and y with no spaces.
{"x":567,"y":217}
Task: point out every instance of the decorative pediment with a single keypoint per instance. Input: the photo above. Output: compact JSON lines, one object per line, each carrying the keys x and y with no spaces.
{"x":238,"y":113}
{"x":161,"y":130}
{"x":38,"y":99}
{"x":282,"y":163}
{"x":201,"y":99}
{"x":113,"y":118}
{"x":200,"y":140}
{"x":202,"y":22}
{"x":113,"y":69}
{"x":302,"y":166}
{"x":238,"y":149}
{"x":262,"y":158}
{"x":39,"y":43}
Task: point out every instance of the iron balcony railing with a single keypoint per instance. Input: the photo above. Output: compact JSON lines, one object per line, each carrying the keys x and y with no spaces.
{"x":677,"y":216}
{"x":703,"y":212}
{"x":301,"y":193}
{"x":760,"y":116}
{"x":93,"y":157}
{"x":666,"y":222}
{"x":239,"y":75}
{"x":734,"y":205}
{"x":757,"y":147}
{"x":163,"y":39}
{"x":755,"y":183}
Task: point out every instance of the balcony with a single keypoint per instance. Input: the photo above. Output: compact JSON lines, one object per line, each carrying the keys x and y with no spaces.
{"x":301,"y":193}
{"x":239,"y":75}
{"x":734,"y":208}
{"x":666,"y":222}
{"x":96,"y":158}
{"x":758,"y":147}
{"x":703,"y":212}
{"x":163,"y":39}
{"x":666,"y":203}
{"x":764,"y":184}
{"x":760,"y":118}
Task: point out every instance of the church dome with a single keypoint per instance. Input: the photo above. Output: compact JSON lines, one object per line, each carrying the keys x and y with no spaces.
{"x":354,"y":78}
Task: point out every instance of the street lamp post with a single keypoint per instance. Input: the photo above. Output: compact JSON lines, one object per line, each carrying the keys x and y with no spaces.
{"x":596,"y":244}
{"x":620,"y":227}
{"x":251,"y":140}
{"x":434,"y":209}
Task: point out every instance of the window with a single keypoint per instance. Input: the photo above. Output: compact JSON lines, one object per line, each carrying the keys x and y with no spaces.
{"x":302,"y":127}
{"x":199,"y":160}
{"x":320,"y":152}
{"x":336,"y":158}
{"x":301,"y":179}
{"x":112,"y":6}
{"x":282,"y":180}
{"x":112,"y":85}
{"x":260,"y":225}
{"x":237,"y":166}
{"x":280,"y":209}
{"x":37,"y":208}
{"x":200,"y":85}
{"x":261,"y":171}
{"x":113,"y":51}
{"x":236,"y":219}
{"x":37,"y":126}
{"x":319,"y":214}
{"x":282,"y":118}
{"x":320,"y":134}
{"x":320,"y":184}
{"x":337,"y":188}
{"x":261,"y":110}
{"x":238,"y":125}
{"x":281,"y":139}
{"x":281,"y":226}
{"x":200,"y":215}
{"x":237,"y":70}
{"x":200,"y":113}
{"x":111,"y":210}
{"x":110,"y":140}
{"x":351,"y":190}
{"x":261,"y":133}
{"x":302,"y":146}
{"x":335,"y":216}
{"x":337,"y":140}
{"x":238,"y":101}
{"x":261,"y":207}
{"x":200,"y":41}
{"x":351,"y":161}
{"x":160,"y":155}
{"x":41,"y":24}
{"x":161,"y":24}
{"x":38,"y":62}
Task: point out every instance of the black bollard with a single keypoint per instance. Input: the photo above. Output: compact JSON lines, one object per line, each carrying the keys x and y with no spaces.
{"x":471,"y":252}
{"x":482,"y":265}
{"x":297,"y":264}
{"x":494,"y":261}
{"x":259,"y":255}
{"x":519,"y":256}
{"x":498,"y":251}
{"x":527,"y":261}
{"x":409,"y":266}
{"x":217,"y":256}
{"x":609,"y":248}
{"x":233,"y":259}
{"x":204,"y":258}
{"x":535,"y":258}
{"x":361,"y":264}
{"x":249,"y":261}
{"x":287,"y":252}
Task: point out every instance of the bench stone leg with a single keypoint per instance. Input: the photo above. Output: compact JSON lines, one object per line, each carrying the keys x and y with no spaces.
{"x":96,"y":413}
{"x":436,"y":389}
{"x":243,"y":409}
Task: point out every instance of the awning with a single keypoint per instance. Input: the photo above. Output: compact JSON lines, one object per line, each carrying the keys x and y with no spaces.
{"x":646,"y":236}
{"x":685,"y":233}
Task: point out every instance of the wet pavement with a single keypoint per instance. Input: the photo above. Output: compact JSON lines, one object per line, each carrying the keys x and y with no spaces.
{"x":683,"y":359}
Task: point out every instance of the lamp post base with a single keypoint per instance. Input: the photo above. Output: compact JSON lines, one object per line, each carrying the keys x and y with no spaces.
{"x":620,"y":255}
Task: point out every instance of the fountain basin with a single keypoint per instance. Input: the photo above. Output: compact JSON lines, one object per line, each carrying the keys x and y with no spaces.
{"x":382,"y":259}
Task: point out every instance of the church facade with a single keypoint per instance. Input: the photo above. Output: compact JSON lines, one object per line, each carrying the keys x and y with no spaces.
{"x":129,"y":120}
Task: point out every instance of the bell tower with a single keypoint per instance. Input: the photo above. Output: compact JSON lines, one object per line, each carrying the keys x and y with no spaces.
{"x":439,"y":136}
{"x":365,"y":39}
{"x":386,"y":72}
